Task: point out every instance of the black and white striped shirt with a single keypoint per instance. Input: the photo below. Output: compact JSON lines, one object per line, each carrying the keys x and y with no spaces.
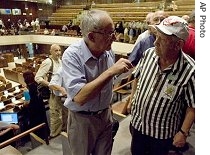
{"x":160,"y":97}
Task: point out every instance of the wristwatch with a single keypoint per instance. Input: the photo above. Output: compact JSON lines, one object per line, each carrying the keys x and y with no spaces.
{"x":184,"y":133}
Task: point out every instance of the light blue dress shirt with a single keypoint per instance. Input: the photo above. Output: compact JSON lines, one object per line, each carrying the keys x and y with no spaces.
{"x":81,"y":67}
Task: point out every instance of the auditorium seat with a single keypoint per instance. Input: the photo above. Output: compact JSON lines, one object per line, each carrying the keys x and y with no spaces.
{"x":118,"y":11}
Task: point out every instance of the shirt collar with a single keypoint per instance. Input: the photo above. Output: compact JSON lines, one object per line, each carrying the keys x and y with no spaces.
{"x":88,"y":54}
{"x":176,"y":66}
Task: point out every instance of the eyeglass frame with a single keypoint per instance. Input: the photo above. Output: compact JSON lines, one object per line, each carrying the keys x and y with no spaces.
{"x":111,"y":35}
{"x":157,"y":20}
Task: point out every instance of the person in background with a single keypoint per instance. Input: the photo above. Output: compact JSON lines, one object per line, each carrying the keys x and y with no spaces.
{"x":93,"y":4}
{"x":35,"y":106}
{"x":185,"y":17}
{"x":164,"y":89}
{"x":54,"y":101}
{"x":172,"y":6}
{"x":57,"y":85}
{"x":148,"y":41}
{"x":125,"y":33}
{"x":132,"y":31}
{"x":9,"y":24}
{"x":146,"y":33}
{"x":46,"y":31}
{"x":189,"y":46}
{"x":6,"y":126}
{"x":7,"y":131}
{"x":37,"y":24}
{"x":70,"y":24}
{"x":33,"y":24}
{"x":119,"y":31}
{"x":52,"y":32}
{"x":1,"y":24}
{"x":88,"y":72}
{"x":64,"y":28}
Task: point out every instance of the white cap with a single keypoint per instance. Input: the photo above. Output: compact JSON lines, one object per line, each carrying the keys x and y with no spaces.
{"x":173,"y":25}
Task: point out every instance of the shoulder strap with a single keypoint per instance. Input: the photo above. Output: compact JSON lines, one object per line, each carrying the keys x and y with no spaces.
{"x":51,"y":70}
{"x":51,"y":67}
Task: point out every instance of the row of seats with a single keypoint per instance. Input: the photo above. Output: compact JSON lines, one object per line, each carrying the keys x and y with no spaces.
{"x":16,"y":74}
{"x":11,"y":96}
{"x":3,"y":62}
{"x":118,"y":11}
{"x":63,"y":18}
{"x":6,"y":86}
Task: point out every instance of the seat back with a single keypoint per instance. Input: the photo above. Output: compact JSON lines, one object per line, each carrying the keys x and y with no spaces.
{"x":2,"y":79}
{"x":8,"y":85}
{"x":2,"y":87}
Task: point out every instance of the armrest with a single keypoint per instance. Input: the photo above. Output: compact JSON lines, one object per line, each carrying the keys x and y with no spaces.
{"x":120,"y":87}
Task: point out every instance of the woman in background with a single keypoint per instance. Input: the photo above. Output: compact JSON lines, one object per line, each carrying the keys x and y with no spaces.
{"x":36,"y":107}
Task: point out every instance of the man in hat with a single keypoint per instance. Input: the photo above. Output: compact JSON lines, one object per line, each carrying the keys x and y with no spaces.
{"x":166,"y":90}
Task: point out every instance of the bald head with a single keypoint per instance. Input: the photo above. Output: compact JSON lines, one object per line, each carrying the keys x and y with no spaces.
{"x":158,"y":16}
{"x":55,"y":51}
{"x":149,"y":17}
{"x":185,"y":17}
{"x":53,"y":46}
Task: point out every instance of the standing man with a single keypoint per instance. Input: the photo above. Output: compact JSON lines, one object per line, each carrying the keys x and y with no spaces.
{"x":57,"y":85}
{"x":88,"y":68}
{"x":164,"y":91}
{"x":55,"y":103}
{"x":146,"y":33}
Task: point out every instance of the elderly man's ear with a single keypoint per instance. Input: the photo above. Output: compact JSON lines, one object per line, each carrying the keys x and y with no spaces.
{"x":91,"y":37}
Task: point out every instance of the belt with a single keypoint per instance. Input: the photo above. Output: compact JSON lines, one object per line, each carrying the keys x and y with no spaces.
{"x":91,"y":112}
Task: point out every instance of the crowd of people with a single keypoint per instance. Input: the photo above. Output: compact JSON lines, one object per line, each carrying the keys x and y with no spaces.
{"x":35,"y":26}
{"x":128,"y":31}
{"x":162,"y":101}
{"x":10,"y":27}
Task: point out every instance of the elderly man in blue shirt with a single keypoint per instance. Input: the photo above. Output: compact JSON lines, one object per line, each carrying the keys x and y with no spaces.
{"x":88,"y":69}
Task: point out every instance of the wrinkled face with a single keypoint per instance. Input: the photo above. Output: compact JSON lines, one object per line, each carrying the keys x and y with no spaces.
{"x":164,"y":45}
{"x":105,"y":36}
{"x":158,"y":17}
{"x":55,"y":52}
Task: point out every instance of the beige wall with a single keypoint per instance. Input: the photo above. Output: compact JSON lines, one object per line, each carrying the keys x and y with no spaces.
{"x":118,"y":47}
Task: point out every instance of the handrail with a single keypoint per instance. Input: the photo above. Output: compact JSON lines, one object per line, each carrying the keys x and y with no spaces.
{"x":15,"y":138}
{"x":120,"y":87}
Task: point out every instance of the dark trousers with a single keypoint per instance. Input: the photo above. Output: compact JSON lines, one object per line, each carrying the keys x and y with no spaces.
{"x":146,"y":145}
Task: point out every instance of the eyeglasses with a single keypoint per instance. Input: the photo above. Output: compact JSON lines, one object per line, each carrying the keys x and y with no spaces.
{"x":158,"y":20}
{"x":110,"y":34}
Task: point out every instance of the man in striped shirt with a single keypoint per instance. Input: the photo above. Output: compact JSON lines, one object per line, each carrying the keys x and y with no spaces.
{"x":164,"y":92}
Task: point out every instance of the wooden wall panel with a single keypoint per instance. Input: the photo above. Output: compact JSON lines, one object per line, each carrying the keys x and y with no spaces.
{"x":9,"y":4}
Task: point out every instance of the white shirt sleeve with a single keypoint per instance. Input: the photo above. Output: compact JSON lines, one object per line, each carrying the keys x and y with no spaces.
{"x":43,"y":70}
